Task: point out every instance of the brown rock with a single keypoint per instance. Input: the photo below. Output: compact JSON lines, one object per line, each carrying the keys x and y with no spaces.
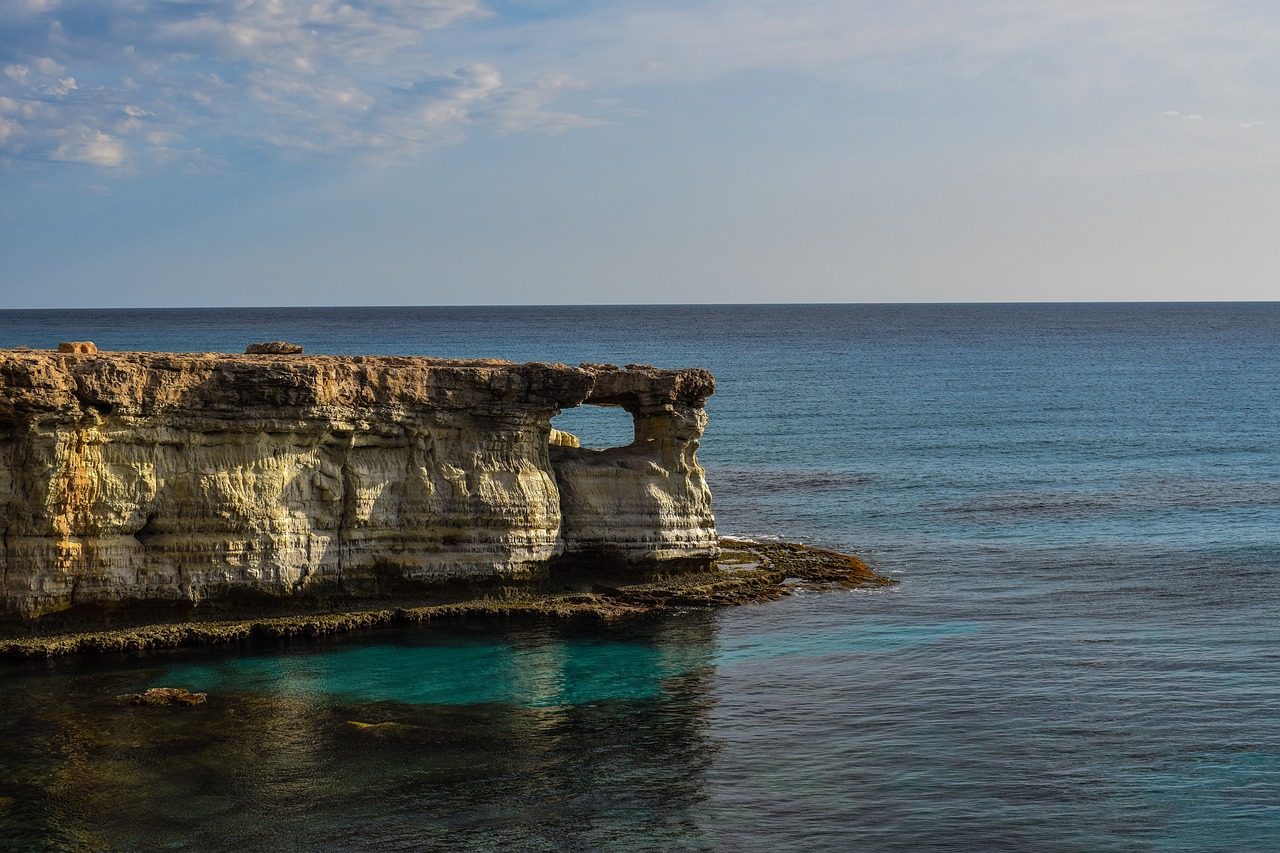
{"x":273,"y":348}
{"x":382,"y":729}
{"x":78,"y":347}
{"x":168,"y":696}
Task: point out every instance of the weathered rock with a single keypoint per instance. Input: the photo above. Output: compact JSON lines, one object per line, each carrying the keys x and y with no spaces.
{"x":273,"y":348}
{"x":564,"y":439}
{"x":745,"y":572}
{"x":78,"y":347}
{"x":647,"y":501}
{"x":168,"y":696}
{"x":180,"y":478}
{"x":382,"y":729}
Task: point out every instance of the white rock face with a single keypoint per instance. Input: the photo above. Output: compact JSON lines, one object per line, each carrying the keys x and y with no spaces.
{"x":181,"y":478}
{"x":645,"y":502}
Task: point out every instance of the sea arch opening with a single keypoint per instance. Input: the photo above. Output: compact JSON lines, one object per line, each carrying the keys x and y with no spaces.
{"x":596,"y":426}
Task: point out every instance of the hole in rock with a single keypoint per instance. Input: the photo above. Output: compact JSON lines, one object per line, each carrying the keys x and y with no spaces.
{"x":597,"y":427}
{"x":148,"y":531}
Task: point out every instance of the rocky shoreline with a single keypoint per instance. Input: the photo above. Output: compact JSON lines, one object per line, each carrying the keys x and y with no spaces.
{"x":746,"y":572}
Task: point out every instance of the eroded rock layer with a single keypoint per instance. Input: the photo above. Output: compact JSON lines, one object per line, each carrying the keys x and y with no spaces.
{"x":647,"y":501}
{"x":162,"y":477}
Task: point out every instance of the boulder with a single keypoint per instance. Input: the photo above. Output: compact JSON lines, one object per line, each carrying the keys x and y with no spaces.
{"x":272,"y":348}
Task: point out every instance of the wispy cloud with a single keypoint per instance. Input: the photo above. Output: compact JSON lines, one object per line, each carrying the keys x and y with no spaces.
{"x":1067,"y":43}
{"x":126,"y":83}
{"x":118,"y":83}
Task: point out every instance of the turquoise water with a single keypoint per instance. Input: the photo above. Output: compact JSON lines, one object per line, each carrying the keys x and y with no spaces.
{"x":548,"y":674}
{"x":1081,"y":504}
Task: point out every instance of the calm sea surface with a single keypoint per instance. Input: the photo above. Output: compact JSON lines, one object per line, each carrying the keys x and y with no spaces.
{"x":1082,"y":505}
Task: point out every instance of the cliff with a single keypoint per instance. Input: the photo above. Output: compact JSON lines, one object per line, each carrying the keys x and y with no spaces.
{"x":184,"y":478}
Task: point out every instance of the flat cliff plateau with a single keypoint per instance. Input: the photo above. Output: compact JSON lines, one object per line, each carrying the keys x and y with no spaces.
{"x":195,"y":479}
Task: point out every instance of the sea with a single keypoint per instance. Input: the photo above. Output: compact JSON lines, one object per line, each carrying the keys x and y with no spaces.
{"x":1080,"y":504}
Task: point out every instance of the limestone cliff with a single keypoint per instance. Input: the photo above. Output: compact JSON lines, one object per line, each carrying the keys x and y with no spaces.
{"x":648,"y":500}
{"x":164,"y":477}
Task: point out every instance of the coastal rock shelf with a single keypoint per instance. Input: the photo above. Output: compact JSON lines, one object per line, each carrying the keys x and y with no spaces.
{"x":188,"y":479}
{"x":744,"y":573}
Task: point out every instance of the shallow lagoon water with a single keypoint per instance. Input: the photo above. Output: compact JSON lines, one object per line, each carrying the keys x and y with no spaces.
{"x":1081,"y":504}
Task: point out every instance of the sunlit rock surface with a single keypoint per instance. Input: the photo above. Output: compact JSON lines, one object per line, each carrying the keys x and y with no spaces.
{"x":130,"y":477}
{"x":647,"y":501}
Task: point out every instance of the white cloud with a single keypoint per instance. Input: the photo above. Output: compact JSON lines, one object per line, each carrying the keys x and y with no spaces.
{"x":528,"y":107}
{"x":61,"y":87}
{"x":92,"y":147}
{"x":48,"y":66}
{"x":333,"y":75}
{"x":9,"y":128}
{"x":304,"y":75}
{"x":26,"y":9}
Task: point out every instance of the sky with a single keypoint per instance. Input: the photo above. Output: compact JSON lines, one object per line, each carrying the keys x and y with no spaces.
{"x":421,"y":152}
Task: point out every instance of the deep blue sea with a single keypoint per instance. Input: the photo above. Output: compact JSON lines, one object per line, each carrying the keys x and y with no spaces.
{"x":1081,"y":504}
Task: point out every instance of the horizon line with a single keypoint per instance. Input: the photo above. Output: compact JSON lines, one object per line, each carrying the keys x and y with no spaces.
{"x":646,"y":305}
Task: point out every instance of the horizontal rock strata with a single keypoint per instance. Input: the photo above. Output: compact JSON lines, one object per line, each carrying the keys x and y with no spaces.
{"x":188,"y":478}
{"x":745,"y":573}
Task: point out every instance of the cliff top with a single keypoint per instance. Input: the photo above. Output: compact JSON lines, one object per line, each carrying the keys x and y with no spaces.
{"x":40,"y":382}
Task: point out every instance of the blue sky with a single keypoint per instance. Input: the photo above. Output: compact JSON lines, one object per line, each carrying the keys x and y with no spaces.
{"x":320,"y":152}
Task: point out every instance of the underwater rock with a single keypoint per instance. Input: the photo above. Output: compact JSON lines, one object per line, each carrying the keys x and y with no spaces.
{"x":386,"y":728}
{"x":168,"y":696}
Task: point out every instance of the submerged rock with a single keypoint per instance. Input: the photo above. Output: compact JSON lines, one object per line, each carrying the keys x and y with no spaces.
{"x":386,"y":728}
{"x":168,"y":696}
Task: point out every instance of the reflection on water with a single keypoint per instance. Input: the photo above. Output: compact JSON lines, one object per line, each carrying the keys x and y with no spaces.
{"x":530,"y":738}
{"x":458,"y":670}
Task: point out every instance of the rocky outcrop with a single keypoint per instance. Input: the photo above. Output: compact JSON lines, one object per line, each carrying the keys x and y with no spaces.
{"x":184,"y":478}
{"x":273,"y":348}
{"x":167,"y":696}
{"x":647,"y":501}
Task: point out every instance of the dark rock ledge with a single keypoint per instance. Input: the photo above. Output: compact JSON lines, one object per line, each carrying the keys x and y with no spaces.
{"x":746,"y":572}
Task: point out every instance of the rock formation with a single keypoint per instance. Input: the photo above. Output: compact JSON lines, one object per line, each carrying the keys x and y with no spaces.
{"x":273,"y":348}
{"x":184,"y":478}
{"x":609,"y":499}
